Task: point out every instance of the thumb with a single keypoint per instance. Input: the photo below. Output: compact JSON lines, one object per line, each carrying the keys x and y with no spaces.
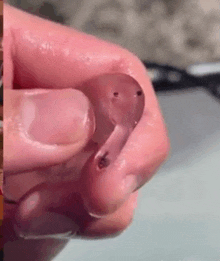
{"x":44,"y":127}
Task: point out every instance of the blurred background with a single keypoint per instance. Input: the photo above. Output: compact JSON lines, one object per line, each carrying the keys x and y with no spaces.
{"x":166,"y":31}
{"x":178,"y":217}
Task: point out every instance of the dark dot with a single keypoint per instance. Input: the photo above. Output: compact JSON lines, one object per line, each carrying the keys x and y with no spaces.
{"x":104,"y":161}
{"x":139,"y":93}
{"x":9,"y":201}
{"x":116,"y":94}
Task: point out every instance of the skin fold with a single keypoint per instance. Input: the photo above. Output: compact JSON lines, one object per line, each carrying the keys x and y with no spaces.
{"x":40,"y":55}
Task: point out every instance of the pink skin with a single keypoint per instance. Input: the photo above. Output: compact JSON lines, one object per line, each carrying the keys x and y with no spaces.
{"x":121,"y":102}
{"x":44,"y":199}
{"x":44,"y":55}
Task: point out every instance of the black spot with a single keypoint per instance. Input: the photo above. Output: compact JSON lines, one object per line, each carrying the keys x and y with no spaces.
{"x":103,"y":162}
{"x":116,"y":94}
{"x":9,"y":201}
{"x":139,"y":93}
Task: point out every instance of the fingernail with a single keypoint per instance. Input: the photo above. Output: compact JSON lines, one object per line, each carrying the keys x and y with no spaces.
{"x":47,"y":225}
{"x":57,"y":116}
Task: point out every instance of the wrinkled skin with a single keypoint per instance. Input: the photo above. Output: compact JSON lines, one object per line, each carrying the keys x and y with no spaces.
{"x":52,"y":178}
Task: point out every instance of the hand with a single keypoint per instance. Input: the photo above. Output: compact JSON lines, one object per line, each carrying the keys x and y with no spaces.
{"x":44,"y":63}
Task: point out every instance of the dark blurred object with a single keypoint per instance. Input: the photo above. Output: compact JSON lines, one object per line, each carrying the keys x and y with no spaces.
{"x":1,"y":131}
{"x":1,"y":83}
{"x":45,"y":9}
{"x":1,"y":52}
{"x":49,"y":11}
{"x":168,"y":78}
{"x":1,"y":22}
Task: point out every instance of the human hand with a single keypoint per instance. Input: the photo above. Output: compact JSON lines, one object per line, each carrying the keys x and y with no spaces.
{"x":39,"y":57}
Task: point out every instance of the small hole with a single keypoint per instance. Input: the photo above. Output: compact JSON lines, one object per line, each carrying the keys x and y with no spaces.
{"x":9,"y":201}
{"x":116,"y":94}
{"x":139,"y":93}
{"x":103,"y":161}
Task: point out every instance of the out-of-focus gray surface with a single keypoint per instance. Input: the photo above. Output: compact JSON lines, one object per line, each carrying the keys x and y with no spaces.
{"x":178,"y":216}
{"x":176,"y":32}
{"x":193,"y":119}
